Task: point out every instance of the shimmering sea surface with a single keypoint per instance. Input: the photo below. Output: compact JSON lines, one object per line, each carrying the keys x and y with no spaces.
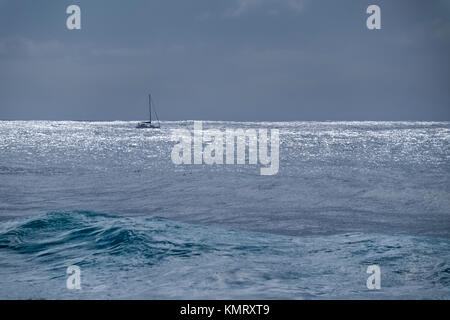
{"x":106,"y":197}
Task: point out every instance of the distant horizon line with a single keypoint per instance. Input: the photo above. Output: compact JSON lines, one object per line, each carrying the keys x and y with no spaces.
{"x":191,"y":120}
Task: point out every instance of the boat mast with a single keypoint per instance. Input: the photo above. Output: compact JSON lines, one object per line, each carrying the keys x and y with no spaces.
{"x":150,"y":106}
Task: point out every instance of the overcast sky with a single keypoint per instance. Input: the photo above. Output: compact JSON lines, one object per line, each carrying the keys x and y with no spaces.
{"x":225,"y":60}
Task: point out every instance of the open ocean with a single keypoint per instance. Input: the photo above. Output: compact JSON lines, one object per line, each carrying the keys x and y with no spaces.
{"x":106,"y":197}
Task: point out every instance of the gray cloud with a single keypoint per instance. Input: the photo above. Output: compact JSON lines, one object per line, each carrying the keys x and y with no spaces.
{"x":245,"y":6}
{"x":273,"y":60}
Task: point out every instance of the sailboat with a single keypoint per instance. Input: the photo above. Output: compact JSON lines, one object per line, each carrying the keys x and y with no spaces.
{"x":150,"y":124}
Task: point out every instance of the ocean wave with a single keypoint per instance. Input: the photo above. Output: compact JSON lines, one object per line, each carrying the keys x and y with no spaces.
{"x":152,"y":257}
{"x":96,"y":233}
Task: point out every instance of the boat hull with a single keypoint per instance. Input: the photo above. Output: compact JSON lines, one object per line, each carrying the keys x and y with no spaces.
{"x":147,"y":125}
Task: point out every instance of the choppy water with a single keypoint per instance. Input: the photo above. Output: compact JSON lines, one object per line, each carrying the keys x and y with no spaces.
{"x":106,"y":197}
